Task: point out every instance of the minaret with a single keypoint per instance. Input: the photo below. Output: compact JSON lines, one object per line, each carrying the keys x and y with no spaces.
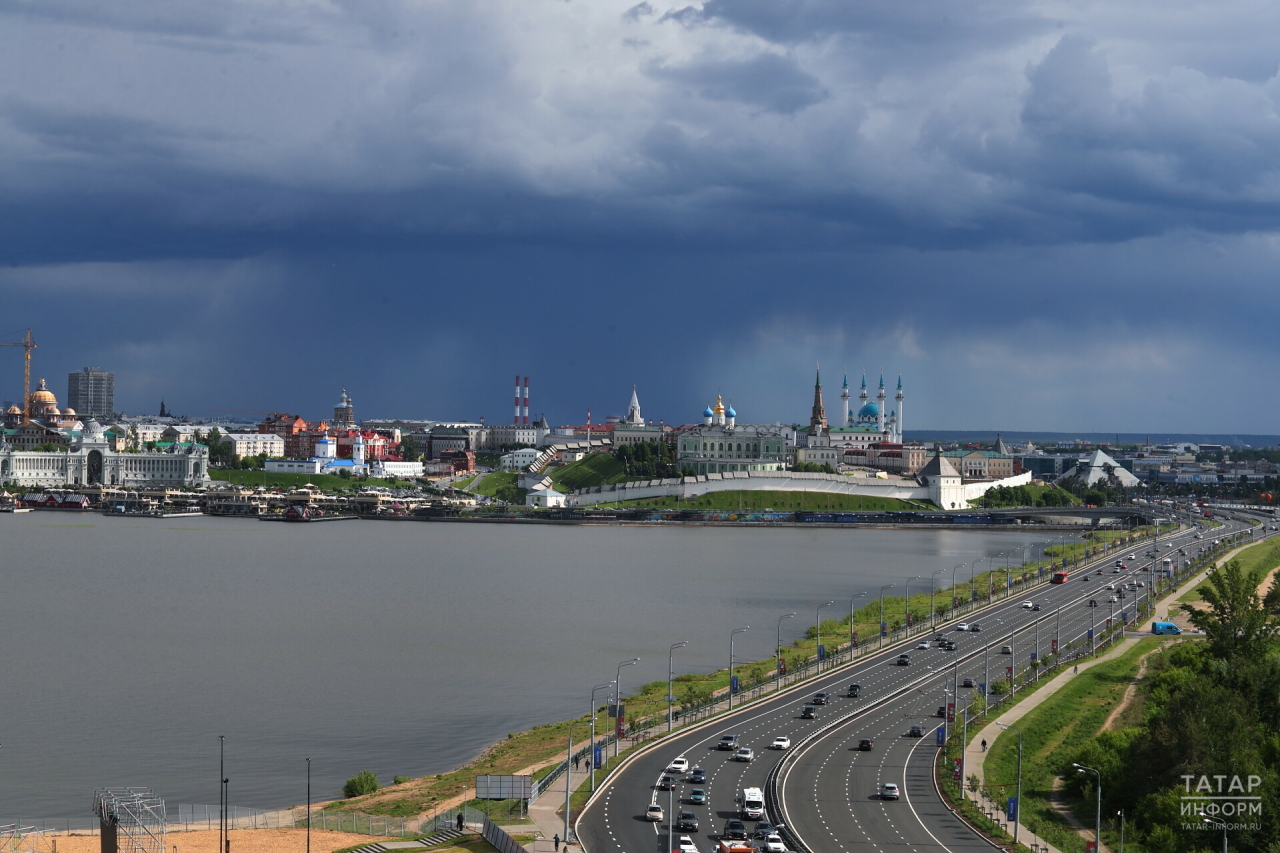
{"x":862,"y":395}
{"x":818,"y":420}
{"x":880,"y":399}
{"x":844,"y":402}
{"x":898,"y":420}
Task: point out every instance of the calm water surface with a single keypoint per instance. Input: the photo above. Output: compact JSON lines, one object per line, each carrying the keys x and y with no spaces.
{"x":128,"y":646}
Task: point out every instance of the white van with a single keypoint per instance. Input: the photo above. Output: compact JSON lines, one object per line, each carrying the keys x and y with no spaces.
{"x":752,"y":803}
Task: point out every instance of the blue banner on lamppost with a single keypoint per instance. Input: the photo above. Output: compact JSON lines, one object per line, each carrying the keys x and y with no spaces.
{"x":733,"y":684}
{"x":1012,"y":812}
{"x":942,"y":735}
{"x":822,"y":651}
{"x":598,"y":757}
{"x":884,"y":629}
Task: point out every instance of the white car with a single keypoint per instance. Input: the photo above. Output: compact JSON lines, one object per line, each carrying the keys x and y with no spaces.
{"x":781,"y":743}
{"x":686,"y":845}
{"x":773,"y":844}
{"x":1027,"y":605}
{"x":889,"y":791}
{"x":744,"y":754}
{"x":963,"y":626}
{"x":923,"y":644}
{"x":653,"y":813}
{"x":1131,"y":557}
{"x":680,"y":765}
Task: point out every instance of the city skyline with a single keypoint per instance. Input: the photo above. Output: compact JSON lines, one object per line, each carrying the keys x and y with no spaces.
{"x":1046,"y":218}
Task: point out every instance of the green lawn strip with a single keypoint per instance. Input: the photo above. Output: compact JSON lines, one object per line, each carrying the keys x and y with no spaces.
{"x":1051,"y":734}
{"x":465,"y":481}
{"x":328,"y":482}
{"x":496,"y":480}
{"x":755,"y":501}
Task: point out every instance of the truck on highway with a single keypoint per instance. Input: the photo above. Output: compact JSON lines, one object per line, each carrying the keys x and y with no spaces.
{"x":752,"y":803}
{"x":1060,"y":577}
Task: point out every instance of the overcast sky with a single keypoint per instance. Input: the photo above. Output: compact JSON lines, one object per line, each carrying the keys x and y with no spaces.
{"x":1046,"y":216}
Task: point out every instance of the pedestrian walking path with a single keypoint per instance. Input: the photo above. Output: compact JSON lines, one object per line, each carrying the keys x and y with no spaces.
{"x":416,"y":844}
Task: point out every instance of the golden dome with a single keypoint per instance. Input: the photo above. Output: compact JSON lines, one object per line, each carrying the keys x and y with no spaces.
{"x":13,"y":410}
{"x":43,"y":395}
{"x":719,"y":407}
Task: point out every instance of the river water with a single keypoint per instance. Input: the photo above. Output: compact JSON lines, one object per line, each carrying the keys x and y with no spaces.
{"x":130,"y":645}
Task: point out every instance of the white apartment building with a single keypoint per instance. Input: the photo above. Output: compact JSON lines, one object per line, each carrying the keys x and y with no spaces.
{"x":254,"y":443}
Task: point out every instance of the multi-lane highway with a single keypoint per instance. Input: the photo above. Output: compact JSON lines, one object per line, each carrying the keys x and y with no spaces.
{"x":828,"y":790}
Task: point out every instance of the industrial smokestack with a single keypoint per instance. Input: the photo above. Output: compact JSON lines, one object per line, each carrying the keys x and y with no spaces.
{"x":517,"y":415}
{"x":526,"y":401}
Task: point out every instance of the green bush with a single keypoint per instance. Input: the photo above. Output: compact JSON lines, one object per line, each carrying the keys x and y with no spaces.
{"x":400,"y":780}
{"x":364,"y":782}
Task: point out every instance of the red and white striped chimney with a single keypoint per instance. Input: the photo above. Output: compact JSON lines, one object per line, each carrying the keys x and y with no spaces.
{"x":517,"y":420}
{"x":526,"y":401}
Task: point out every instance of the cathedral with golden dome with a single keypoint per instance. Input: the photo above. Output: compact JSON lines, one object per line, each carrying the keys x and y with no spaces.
{"x":86,"y":454}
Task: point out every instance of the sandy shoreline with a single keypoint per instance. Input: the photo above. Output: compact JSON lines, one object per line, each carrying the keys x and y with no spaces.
{"x":242,"y":841}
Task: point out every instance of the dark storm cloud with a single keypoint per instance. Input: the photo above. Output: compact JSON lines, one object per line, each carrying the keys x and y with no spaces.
{"x":994,"y":198}
{"x":768,"y":81}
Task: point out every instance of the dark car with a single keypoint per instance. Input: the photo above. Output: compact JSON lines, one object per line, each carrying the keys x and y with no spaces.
{"x":865,"y":744}
{"x":853,"y":691}
{"x":666,"y":783}
{"x":942,"y":711}
{"x":948,"y":645}
{"x":734,"y":830}
{"x":975,"y":627}
{"x":1093,"y":602}
{"x":810,"y":712}
{"x":697,"y":775}
{"x":968,"y":682}
{"x":727,"y":742}
{"x":916,"y":731}
{"x":821,"y":698}
{"x":687,"y":821}
{"x":762,"y":829}
{"x":904,"y":660}
{"x":1036,"y":607}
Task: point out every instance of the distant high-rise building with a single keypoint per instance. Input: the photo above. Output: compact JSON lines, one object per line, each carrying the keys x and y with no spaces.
{"x":92,"y":393}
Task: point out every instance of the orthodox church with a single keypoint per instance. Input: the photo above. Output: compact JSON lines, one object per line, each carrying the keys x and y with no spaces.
{"x":722,"y":444}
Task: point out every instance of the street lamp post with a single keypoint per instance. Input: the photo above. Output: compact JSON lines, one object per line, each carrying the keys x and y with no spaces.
{"x":671,"y":696}
{"x":817,"y":633}
{"x":732,"y":634}
{"x":1057,"y":630}
{"x":777,"y":650}
{"x":568,"y":779}
{"x":953,"y":583}
{"x":1120,"y":814}
{"x":1216,"y":822}
{"x":882,"y":626}
{"x":222,"y":793}
{"x":308,"y":805}
{"x":1017,"y":812}
{"x":1097,"y":817}
{"x":933,"y":591}
{"x":852,"y":599}
{"x":617,"y":735}
{"x":906,"y":605}
{"x":592,"y":758}
{"x":973,"y":568}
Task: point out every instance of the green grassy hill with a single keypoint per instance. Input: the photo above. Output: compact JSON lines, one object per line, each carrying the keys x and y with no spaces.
{"x":781,"y":501}
{"x":598,"y":469}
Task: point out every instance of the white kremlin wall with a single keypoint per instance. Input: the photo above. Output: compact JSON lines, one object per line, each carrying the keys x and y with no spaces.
{"x":692,"y":487}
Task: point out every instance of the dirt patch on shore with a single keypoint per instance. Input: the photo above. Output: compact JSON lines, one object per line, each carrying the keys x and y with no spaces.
{"x":242,"y":841}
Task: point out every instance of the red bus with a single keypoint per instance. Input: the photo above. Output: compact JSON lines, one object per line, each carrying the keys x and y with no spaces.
{"x":1059,"y":577}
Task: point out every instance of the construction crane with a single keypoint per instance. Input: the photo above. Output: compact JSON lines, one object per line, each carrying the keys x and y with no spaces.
{"x":29,"y":344}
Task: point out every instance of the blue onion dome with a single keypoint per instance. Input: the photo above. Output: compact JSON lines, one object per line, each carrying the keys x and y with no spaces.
{"x":731,"y":413}
{"x":707,"y":413}
{"x":870,"y":410}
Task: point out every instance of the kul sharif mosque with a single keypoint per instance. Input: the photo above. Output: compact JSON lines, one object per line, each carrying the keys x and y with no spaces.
{"x":722,"y":444}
